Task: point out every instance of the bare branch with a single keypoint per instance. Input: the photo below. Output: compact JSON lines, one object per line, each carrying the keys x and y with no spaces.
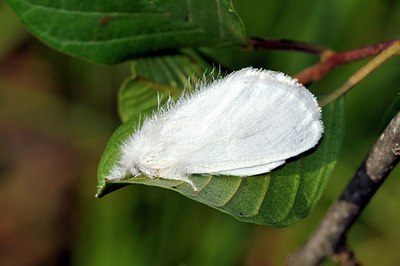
{"x":329,"y":238}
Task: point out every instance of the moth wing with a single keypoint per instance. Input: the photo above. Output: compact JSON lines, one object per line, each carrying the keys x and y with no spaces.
{"x":253,"y":170}
{"x":246,"y":124}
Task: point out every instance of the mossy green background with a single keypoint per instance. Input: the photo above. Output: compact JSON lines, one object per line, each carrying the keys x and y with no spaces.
{"x":141,"y":225}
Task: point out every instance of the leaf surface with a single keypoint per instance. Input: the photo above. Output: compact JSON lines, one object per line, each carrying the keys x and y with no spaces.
{"x":108,"y":32}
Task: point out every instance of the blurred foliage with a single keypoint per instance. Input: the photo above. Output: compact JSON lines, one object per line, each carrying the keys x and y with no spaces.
{"x":70,"y":105}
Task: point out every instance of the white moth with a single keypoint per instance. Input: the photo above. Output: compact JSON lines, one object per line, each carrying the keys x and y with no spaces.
{"x":244,"y":124}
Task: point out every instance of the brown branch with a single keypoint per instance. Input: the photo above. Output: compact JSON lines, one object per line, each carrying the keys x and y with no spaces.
{"x":329,"y":238}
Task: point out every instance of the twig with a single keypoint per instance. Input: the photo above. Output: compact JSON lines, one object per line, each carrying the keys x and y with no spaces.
{"x":391,"y":51}
{"x":329,"y":59}
{"x":329,"y":238}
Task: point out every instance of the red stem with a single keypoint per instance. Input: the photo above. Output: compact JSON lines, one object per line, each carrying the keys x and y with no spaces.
{"x":329,"y":58}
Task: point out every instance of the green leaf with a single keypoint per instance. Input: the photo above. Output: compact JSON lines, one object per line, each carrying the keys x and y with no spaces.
{"x":165,"y":76}
{"x":279,"y":198}
{"x":104,"y":31}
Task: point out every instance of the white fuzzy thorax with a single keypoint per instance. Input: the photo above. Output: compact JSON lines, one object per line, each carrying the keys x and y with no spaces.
{"x":244,"y":124}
